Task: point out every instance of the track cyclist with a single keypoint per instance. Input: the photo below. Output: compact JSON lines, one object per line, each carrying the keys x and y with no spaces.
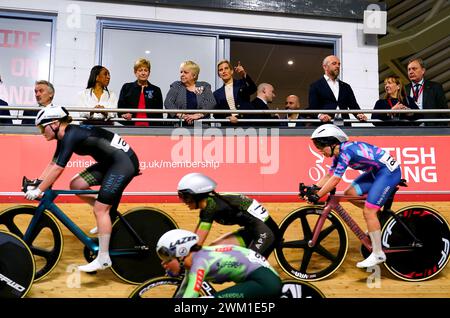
{"x":116,"y":166}
{"x":381,"y":175}
{"x":181,"y":255}
{"x":259,"y":231}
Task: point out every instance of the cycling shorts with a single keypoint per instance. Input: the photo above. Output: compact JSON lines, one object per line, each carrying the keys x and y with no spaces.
{"x":378,"y":185}
{"x":260,"y":283}
{"x":261,"y":237}
{"x":113,"y":177}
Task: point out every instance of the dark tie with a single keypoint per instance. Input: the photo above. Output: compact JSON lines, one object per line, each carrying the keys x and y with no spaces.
{"x":416,"y":91}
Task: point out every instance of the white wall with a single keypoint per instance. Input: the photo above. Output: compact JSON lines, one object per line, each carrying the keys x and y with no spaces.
{"x":76,"y":39}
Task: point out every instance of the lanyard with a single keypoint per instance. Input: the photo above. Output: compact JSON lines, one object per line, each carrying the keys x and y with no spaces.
{"x":417,"y":94}
{"x":390,"y":102}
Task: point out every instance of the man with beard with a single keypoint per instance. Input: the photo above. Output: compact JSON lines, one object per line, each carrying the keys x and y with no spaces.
{"x":330,"y":93}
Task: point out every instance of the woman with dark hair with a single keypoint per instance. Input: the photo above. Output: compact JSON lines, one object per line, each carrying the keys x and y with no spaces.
{"x":395,"y":98}
{"x":97,"y":95}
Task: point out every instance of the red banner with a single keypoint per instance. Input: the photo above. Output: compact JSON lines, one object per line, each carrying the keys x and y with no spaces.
{"x":265,"y":165}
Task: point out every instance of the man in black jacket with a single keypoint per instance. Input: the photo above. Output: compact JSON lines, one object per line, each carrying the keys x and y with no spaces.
{"x":426,"y":94}
{"x":329,"y":93}
{"x":264,"y":96}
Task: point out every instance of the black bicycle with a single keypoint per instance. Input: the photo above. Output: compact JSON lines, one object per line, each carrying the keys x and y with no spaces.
{"x":16,"y":266}
{"x":415,"y":239}
{"x":167,"y":287}
{"x":133,"y":238}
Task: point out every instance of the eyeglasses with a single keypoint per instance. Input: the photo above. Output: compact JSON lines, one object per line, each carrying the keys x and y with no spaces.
{"x":164,"y":254}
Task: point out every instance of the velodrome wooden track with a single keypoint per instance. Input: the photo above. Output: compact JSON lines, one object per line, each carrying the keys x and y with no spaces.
{"x":348,"y":281}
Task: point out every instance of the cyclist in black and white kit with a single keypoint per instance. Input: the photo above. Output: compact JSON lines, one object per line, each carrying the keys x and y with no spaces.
{"x":259,"y":231}
{"x":116,"y":166}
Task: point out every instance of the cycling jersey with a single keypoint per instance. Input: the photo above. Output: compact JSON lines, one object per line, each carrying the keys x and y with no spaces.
{"x":382,"y":171}
{"x":259,"y":231}
{"x":252,"y":273}
{"x":116,"y":165}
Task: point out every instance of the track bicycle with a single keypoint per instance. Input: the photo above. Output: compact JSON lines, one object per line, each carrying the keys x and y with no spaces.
{"x":17,"y":266}
{"x":132,"y":245}
{"x":314,"y":241}
{"x":167,"y":287}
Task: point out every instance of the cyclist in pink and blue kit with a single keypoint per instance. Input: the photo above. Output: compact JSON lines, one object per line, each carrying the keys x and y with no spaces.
{"x":381,"y":175}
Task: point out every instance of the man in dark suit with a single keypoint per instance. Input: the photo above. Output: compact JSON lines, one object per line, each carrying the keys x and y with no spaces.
{"x":329,"y":93}
{"x":264,"y":96}
{"x":426,"y":94}
{"x":234,"y":94}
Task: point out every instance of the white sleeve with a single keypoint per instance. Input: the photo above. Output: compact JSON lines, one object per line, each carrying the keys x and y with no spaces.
{"x":83,"y":102}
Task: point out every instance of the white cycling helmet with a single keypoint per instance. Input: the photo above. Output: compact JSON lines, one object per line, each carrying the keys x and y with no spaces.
{"x":195,"y":186}
{"x":50,"y":114}
{"x":175,"y":243}
{"x":328,"y":135}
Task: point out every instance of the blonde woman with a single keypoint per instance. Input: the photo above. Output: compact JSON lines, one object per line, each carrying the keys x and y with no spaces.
{"x":141,"y":94}
{"x":189,"y":93}
{"x":395,"y":99}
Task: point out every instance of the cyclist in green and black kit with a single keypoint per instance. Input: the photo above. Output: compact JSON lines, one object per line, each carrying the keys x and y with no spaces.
{"x":259,"y":231}
{"x":252,"y":273}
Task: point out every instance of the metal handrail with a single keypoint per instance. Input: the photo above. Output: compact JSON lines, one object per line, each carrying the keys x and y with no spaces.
{"x":226,"y":111}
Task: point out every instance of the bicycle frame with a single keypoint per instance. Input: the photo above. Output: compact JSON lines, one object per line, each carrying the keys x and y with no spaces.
{"x":333,"y":204}
{"x":46,"y":203}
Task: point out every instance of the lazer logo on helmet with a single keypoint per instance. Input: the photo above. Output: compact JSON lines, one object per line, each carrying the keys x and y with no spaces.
{"x":183,"y":240}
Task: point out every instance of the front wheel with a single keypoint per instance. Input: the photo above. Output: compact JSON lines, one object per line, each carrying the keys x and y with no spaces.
{"x":139,"y":265}
{"x":422,"y":258}
{"x":160,"y":287}
{"x":46,"y":241}
{"x":297,"y":258}
{"x":17,"y":270}
{"x":167,"y":287}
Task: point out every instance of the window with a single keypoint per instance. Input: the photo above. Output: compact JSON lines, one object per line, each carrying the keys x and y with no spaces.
{"x":265,"y":55}
{"x":290,"y":67}
{"x":26,"y":43}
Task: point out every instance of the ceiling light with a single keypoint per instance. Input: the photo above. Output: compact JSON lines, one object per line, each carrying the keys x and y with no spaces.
{"x":290,"y":62}
{"x":147,"y":52}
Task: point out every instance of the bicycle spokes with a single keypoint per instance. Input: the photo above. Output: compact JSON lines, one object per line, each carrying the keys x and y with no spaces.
{"x":44,"y":240}
{"x":298,"y":258}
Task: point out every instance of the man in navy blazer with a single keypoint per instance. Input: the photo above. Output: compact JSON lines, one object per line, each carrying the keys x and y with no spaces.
{"x":234,"y":94}
{"x":426,"y":94}
{"x":330,"y":93}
